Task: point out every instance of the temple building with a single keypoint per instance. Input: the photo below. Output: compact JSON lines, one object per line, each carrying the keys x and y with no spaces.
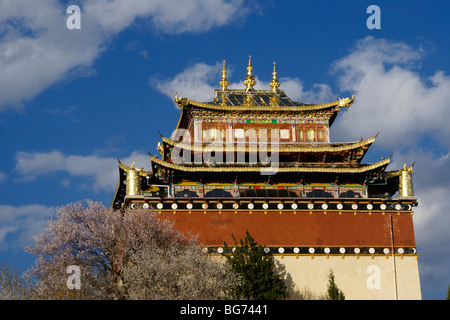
{"x":256,"y":160}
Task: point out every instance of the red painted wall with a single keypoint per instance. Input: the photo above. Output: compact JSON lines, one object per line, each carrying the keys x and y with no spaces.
{"x":300,"y":229}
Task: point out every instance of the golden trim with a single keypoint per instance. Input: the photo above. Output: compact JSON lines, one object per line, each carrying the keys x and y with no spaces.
{"x":142,"y":173}
{"x":182,"y":102}
{"x":324,"y":168}
{"x":180,"y":117}
{"x":397,"y":173}
{"x":294,"y":147}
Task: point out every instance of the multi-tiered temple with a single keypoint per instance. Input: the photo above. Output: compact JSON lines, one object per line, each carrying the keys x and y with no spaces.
{"x":255,"y":159}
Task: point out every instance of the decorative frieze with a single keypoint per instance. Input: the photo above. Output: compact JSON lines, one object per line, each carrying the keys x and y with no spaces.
{"x":314,"y":250}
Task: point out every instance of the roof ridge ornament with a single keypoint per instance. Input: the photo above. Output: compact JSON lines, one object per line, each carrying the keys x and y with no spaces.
{"x":249,"y":81}
{"x":274,"y":83}
{"x":346,"y":102}
{"x":224,"y":81}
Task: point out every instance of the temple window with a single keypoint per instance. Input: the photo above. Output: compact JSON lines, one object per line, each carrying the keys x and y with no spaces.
{"x":213,"y":134}
{"x":218,"y":193}
{"x":347,"y":194}
{"x":310,"y":134}
{"x":186,"y":194}
{"x":319,"y":194}
{"x":300,"y":135}
{"x":284,"y":134}
{"x":239,"y":133}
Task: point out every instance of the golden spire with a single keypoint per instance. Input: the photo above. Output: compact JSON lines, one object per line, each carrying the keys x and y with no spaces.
{"x":274,"y":83}
{"x":249,"y":81}
{"x":224,"y":81}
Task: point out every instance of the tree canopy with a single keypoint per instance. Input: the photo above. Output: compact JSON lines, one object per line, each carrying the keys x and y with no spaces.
{"x":122,"y":254}
{"x":260,"y":281}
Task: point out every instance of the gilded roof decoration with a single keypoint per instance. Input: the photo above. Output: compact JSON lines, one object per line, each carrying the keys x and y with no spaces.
{"x":224,"y":81}
{"x":235,"y":101}
{"x":274,"y":84}
{"x":322,"y":116}
{"x":249,"y":81}
{"x":247,"y":108}
{"x":281,"y":167}
{"x":249,"y":99}
{"x":397,"y":173}
{"x":291,"y":147}
{"x":141,"y":172}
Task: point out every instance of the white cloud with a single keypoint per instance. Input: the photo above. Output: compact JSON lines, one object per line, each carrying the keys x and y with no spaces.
{"x":294,"y":89}
{"x":431,"y":221}
{"x":390,"y":96}
{"x":194,"y":82}
{"x":431,"y":176}
{"x":198,"y":82}
{"x":173,"y":16}
{"x":19,"y":224}
{"x":393,"y":98}
{"x":37,"y":49}
{"x":101,"y":172}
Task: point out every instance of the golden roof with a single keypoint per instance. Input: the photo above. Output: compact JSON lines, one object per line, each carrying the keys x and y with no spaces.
{"x":261,"y":101}
{"x":290,"y":147}
{"x":282,"y":167}
{"x":249,"y":99}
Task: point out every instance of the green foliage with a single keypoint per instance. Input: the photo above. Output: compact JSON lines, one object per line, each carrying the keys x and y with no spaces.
{"x":260,"y":281}
{"x":448,"y":293}
{"x":333,"y":292}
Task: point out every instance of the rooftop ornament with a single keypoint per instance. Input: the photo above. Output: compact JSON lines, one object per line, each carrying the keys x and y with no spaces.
{"x":249,"y":81}
{"x":274,"y":84}
{"x":224,"y":81}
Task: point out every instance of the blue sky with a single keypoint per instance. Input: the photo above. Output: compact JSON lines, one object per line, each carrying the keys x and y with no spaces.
{"x":73,"y":101}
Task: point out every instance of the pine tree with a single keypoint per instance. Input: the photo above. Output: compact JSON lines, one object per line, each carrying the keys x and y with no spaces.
{"x":260,"y":281}
{"x":333,"y":292}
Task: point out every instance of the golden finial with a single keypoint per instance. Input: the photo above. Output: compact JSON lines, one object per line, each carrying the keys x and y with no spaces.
{"x":224,"y":81}
{"x":160,"y":148}
{"x":274,"y":83}
{"x":249,"y":80}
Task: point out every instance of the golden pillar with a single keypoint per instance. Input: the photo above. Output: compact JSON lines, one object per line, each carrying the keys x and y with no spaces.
{"x":133,"y":181}
{"x":406,"y":183}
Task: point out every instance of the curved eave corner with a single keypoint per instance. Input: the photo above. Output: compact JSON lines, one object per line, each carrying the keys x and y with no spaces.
{"x":120,"y":184}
